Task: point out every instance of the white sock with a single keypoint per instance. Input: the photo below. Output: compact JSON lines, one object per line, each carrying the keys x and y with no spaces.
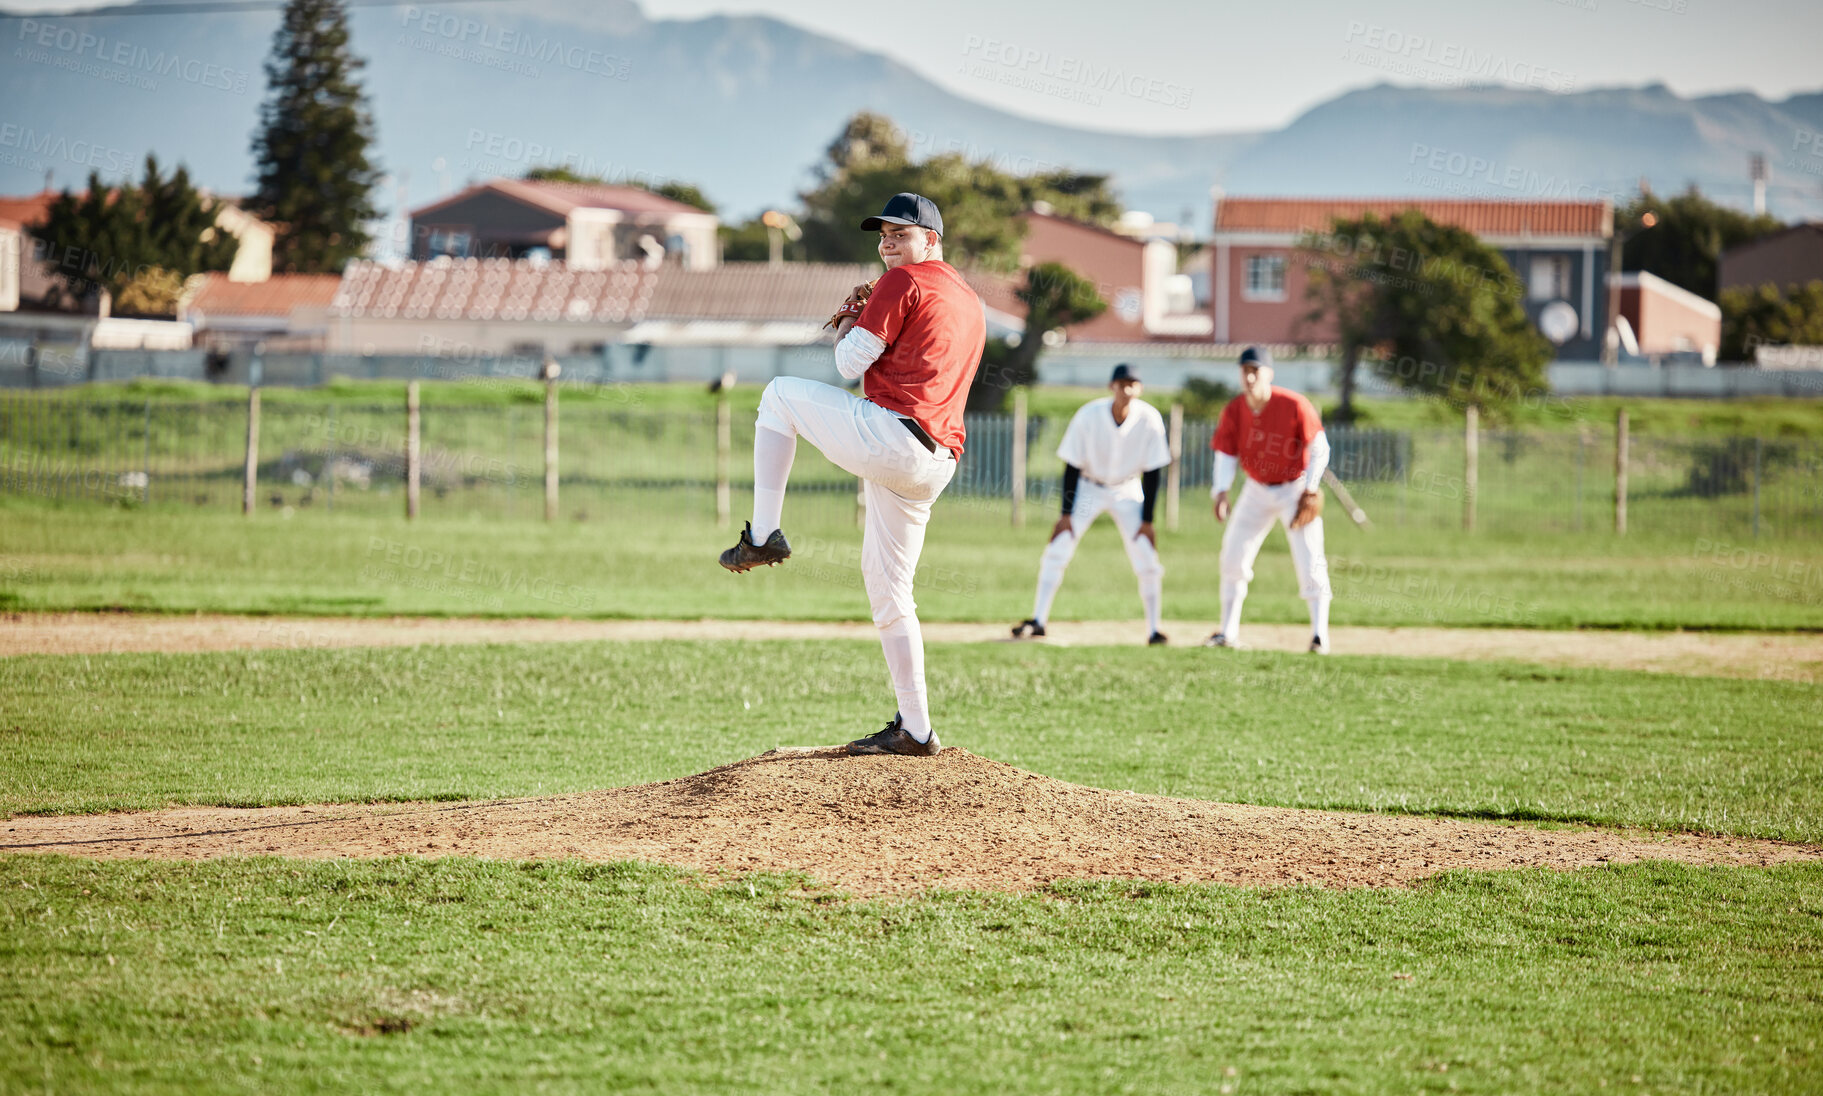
{"x":1319,"y":617}
{"x":1233,"y":594}
{"x":903,"y":642}
{"x":1050,"y":579}
{"x":772,"y":456}
{"x":1151,"y":591}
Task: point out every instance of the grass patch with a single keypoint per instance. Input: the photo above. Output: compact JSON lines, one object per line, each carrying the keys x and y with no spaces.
{"x":1765,"y":416}
{"x":264,"y":975}
{"x":644,"y":557}
{"x":1486,"y":740}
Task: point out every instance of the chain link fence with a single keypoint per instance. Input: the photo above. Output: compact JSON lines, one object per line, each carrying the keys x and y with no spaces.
{"x":489,"y":461}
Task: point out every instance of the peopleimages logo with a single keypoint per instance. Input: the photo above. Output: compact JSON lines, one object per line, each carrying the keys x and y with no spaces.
{"x":21,"y":146}
{"x":463,"y":38}
{"x":1033,"y":68}
{"x":1448,"y":63}
{"x":81,"y":51}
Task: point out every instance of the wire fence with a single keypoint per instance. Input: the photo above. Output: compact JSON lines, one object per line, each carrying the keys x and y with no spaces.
{"x":489,"y":461}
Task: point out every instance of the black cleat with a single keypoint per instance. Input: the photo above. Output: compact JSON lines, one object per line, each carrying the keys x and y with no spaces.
{"x":746,"y":555}
{"x":895,"y":739}
{"x":1157,"y":639}
{"x":1319,"y":645}
{"x":1028,"y":629}
{"x":1220,"y":640}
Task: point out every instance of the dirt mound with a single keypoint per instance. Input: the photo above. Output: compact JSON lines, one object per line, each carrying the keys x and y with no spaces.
{"x":875,"y":825}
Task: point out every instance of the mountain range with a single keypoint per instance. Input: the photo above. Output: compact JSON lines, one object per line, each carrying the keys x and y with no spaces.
{"x":744,"y":106}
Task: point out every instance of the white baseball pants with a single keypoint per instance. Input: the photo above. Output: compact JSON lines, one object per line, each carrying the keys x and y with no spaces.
{"x":1124,"y":502}
{"x":1249,"y":521}
{"x":900,"y":480}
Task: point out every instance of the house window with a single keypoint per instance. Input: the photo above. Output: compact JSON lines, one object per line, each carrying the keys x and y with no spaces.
{"x":1550,"y":277}
{"x":1265,"y":278}
{"x":450,"y":242}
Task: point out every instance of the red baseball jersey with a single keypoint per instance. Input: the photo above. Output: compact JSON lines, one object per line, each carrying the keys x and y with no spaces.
{"x":934,"y":328}
{"x":1271,"y":445}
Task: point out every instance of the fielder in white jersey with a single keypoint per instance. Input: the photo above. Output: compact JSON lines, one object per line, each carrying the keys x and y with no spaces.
{"x":1112,"y":452}
{"x":1274,"y":434}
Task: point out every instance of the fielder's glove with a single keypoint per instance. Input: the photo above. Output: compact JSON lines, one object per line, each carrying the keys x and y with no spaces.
{"x":853,"y":305}
{"x":1310,"y":508}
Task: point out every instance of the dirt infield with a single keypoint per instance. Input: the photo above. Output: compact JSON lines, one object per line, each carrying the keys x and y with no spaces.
{"x":882,"y":825}
{"x":1785,"y":657}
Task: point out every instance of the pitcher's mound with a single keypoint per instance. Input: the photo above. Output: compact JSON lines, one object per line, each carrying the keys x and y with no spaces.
{"x":874,"y":825}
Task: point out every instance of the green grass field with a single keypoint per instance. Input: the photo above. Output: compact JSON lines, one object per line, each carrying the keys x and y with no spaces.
{"x":645,"y":558}
{"x":267,"y":975}
{"x":263,"y":975}
{"x":1479,"y":740}
{"x":481,"y":977}
{"x":1769,"y":417}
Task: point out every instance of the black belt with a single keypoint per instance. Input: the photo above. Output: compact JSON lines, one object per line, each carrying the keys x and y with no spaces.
{"x":920,"y":433}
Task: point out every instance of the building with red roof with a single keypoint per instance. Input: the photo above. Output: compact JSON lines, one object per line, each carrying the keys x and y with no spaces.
{"x":1558,"y":252}
{"x":585,"y":226}
{"x":286,"y":311}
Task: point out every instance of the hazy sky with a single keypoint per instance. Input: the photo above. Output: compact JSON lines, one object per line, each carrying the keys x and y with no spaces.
{"x":1248,"y":66}
{"x":1190,"y":66}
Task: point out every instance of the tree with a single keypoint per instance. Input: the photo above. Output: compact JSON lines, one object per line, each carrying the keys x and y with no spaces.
{"x":152,"y":235}
{"x":688,"y":193}
{"x":316,"y":182}
{"x":1685,"y":244}
{"x":751,"y":242}
{"x":1055,"y":297}
{"x":1767,"y":316}
{"x":1437,"y":311}
{"x":869,"y":162}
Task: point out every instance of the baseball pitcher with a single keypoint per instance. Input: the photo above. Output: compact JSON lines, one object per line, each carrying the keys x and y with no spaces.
{"x":1276,"y":436}
{"x":1112,"y":452}
{"x":914,"y":337}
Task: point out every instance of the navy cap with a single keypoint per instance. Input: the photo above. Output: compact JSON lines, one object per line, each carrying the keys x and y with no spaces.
{"x":906,"y":208}
{"x":1123,"y":372}
{"x":1256,"y":355}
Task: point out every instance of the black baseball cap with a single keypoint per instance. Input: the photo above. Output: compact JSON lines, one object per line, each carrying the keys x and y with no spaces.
{"x":1256,"y":355}
{"x":1123,"y":372}
{"x":906,"y":208}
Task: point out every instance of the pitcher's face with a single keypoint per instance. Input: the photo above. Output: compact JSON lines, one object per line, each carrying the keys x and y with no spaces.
{"x":903,"y":244}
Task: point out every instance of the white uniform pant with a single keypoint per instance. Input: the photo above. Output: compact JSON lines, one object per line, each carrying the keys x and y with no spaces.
{"x":1252,"y":517}
{"x":1125,"y":503}
{"x":900,"y":481}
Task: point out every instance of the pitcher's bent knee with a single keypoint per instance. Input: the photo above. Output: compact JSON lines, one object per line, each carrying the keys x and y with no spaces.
{"x":775,"y":411}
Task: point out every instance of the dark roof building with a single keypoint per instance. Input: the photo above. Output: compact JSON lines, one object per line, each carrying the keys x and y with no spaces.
{"x":584,"y":226}
{"x":1788,"y":258}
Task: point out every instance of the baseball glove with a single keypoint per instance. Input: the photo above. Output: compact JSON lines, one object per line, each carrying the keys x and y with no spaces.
{"x":853,"y":305}
{"x":1310,"y":508}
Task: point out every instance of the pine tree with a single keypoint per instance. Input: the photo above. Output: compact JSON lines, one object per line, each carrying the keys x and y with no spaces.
{"x":315,"y":180}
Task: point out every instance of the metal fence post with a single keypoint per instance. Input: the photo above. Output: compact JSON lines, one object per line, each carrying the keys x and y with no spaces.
{"x":1759,"y":448}
{"x":413,"y":466}
{"x":1174,"y":473}
{"x":1471,"y":459}
{"x":551,"y":370}
{"x":145,"y":460}
{"x":724,"y":456}
{"x":1017,"y":472}
{"x":1620,"y":472}
{"x":1582,"y":444}
{"x":329,"y":462}
{"x":250,"y":475}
